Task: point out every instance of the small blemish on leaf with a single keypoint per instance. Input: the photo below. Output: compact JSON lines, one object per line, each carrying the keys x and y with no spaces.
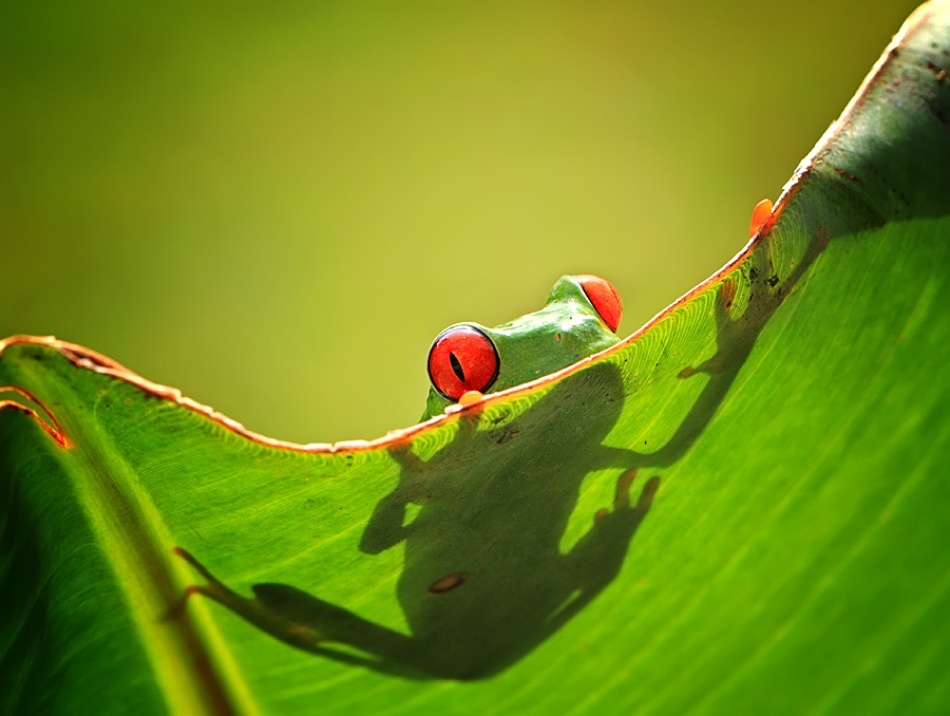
{"x":847,"y":175}
{"x":507,"y":433}
{"x":448,"y":583}
{"x":939,"y":73}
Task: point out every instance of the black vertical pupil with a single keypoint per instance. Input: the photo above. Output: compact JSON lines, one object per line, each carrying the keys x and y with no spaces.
{"x":456,"y":367}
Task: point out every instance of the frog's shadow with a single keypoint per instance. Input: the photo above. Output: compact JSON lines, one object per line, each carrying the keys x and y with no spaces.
{"x":485,"y":579}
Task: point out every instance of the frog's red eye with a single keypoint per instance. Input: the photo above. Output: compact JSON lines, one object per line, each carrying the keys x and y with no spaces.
{"x":462,"y":359}
{"x":605,"y":299}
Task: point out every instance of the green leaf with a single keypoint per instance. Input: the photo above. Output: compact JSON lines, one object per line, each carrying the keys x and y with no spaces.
{"x":740,"y":508}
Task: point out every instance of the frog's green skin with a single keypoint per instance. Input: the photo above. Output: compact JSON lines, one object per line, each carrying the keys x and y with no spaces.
{"x":567,"y":329}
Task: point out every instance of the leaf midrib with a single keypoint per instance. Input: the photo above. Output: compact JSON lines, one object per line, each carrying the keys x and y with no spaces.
{"x":133,"y":539}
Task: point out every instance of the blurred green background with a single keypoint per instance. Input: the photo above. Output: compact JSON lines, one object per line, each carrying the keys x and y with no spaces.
{"x":276,"y":207}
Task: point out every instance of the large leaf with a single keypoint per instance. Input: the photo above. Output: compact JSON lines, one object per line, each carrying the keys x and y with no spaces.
{"x":740,"y":507}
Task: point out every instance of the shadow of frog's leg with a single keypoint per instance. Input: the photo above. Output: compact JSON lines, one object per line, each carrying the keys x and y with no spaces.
{"x":734,"y":343}
{"x":253,"y":610}
{"x":308,"y":623}
{"x":331,"y":622}
{"x":597,"y":558}
{"x":385,"y":527}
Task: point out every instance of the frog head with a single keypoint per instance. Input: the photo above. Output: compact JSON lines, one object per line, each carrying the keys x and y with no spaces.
{"x":579,"y":319}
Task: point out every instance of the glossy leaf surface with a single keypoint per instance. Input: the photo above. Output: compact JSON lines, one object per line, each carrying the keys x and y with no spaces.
{"x":739,"y":508}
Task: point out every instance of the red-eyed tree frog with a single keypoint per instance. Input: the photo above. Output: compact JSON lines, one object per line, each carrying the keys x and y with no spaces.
{"x":486,"y":575}
{"x":580,"y":318}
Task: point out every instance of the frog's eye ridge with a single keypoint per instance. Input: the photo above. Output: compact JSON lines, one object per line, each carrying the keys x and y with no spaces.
{"x":461,"y":359}
{"x":604,"y":298}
